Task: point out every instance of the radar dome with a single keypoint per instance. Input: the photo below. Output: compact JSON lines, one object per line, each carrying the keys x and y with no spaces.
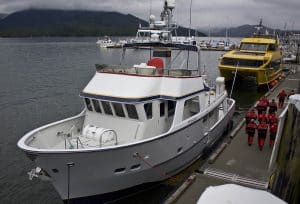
{"x":152,"y":18}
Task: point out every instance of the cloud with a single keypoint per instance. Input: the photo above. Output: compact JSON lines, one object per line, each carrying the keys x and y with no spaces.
{"x":214,"y":13}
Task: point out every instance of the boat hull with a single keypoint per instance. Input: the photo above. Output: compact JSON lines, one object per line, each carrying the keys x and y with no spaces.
{"x":262,"y":76}
{"x":104,"y":171}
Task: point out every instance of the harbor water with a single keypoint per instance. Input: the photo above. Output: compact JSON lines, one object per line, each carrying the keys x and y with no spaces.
{"x":40,"y":80}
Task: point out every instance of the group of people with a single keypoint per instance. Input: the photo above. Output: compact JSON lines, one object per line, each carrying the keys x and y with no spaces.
{"x":263,"y":122}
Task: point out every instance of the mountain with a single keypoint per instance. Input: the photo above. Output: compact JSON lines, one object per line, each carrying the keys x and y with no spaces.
{"x":240,"y":31}
{"x":37,"y":22}
{"x":2,"y":15}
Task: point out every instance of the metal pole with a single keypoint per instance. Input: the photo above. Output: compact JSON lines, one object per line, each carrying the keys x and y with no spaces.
{"x":69,"y":165}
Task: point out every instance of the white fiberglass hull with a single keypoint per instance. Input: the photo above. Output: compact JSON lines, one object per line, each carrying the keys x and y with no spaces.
{"x":108,"y":170}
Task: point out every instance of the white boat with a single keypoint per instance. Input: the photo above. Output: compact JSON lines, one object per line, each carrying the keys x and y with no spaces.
{"x":106,"y":42}
{"x":140,"y":124}
{"x":162,"y":30}
{"x":289,"y":58}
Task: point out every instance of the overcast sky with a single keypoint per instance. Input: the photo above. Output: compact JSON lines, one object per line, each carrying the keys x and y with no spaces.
{"x":205,"y":13}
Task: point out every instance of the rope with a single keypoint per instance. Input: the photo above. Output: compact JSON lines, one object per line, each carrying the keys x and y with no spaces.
{"x":267,"y":80}
{"x":234,"y":80}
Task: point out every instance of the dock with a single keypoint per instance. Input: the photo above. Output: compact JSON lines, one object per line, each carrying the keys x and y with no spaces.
{"x":233,"y":161}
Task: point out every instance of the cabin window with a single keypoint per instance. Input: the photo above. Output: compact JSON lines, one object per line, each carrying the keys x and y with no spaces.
{"x":171,"y":108}
{"x":254,"y":46}
{"x":118,"y":109}
{"x":88,"y":104}
{"x":275,"y":64}
{"x":131,"y":110}
{"x":107,"y":108}
{"x":162,"y":109}
{"x":96,"y":105}
{"x":191,"y":107}
{"x":272,"y":47}
{"x":148,"y":110}
{"x":242,"y":62}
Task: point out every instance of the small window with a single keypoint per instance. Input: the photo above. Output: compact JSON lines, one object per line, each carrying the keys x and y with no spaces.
{"x":131,"y":110}
{"x":96,"y":105}
{"x":191,"y":107}
{"x":55,"y":170}
{"x":106,"y":107}
{"x":120,"y":170}
{"x":179,"y":150}
{"x":171,"y":108}
{"x":135,"y":167}
{"x":88,"y":104}
{"x":118,"y":109}
{"x":148,"y":110}
{"x":162,"y":109}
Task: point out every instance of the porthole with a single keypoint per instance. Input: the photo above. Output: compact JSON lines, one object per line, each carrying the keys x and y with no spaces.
{"x":179,"y":150}
{"x":120,"y":170}
{"x":55,"y":170}
{"x":135,"y":167}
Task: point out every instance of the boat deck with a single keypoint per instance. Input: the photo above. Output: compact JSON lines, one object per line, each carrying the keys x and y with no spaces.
{"x":234,"y":161}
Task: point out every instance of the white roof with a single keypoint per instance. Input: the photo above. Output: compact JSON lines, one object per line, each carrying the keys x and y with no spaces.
{"x":235,"y":194}
{"x":295,"y":99}
{"x":136,"y":86}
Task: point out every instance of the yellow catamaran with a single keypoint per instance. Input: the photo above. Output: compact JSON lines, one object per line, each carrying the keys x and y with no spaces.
{"x":258,"y":56}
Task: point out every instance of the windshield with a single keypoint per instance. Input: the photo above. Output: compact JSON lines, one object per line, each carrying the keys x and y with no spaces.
{"x":253,"y":47}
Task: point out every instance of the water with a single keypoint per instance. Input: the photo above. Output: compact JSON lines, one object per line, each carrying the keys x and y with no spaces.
{"x":40,"y":79}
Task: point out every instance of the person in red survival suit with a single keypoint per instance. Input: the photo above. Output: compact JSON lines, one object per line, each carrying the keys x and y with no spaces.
{"x":272,"y":118}
{"x":281,"y":97}
{"x":262,"y":130}
{"x":261,"y":106}
{"x":273,"y":132}
{"x":272,"y":107}
{"x":250,"y":128}
{"x":250,"y":115}
{"x":262,"y":116}
{"x":266,"y":100}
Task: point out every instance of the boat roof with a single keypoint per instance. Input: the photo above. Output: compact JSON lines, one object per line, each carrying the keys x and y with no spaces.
{"x":143,"y":84}
{"x":166,"y":44}
{"x":260,"y":39}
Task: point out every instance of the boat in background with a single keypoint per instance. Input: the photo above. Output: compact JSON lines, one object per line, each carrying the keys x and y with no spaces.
{"x":258,"y":56}
{"x":163,"y":29}
{"x":107,"y":43}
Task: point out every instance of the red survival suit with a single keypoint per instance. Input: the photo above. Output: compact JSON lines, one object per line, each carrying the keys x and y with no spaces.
{"x":261,"y":106}
{"x":262,"y":130}
{"x":281,"y":97}
{"x":272,"y":118}
{"x":273,"y":132}
{"x":250,"y":128}
{"x":250,"y":115}
{"x":262,"y":117}
{"x":272,"y":107}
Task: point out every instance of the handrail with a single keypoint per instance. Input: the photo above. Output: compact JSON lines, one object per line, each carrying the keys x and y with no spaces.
{"x":147,"y":71}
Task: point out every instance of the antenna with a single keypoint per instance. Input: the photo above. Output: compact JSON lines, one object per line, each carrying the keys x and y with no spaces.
{"x":150,"y":12}
{"x":190,"y":18}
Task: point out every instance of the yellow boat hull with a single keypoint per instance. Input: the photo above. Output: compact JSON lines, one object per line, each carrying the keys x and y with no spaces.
{"x":263,"y":76}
